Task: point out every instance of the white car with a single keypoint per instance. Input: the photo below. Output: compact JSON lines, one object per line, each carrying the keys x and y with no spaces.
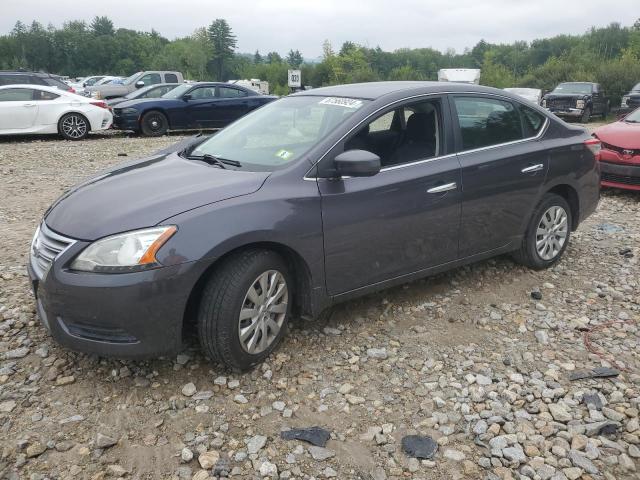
{"x":35,"y":109}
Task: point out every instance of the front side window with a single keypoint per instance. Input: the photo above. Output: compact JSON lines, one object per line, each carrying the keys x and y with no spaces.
{"x":279,"y":133}
{"x":16,"y":95}
{"x":486,"y":121}
{"x":403,"y":135}
{"x":226,"y":92}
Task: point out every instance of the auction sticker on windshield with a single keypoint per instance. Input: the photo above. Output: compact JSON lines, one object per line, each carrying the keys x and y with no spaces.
{"x":342,"y":102}
{"x":283,"y":154}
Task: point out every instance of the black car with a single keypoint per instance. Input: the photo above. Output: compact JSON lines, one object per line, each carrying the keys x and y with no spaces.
{"x":321,"y":196}
{"x":631,"y":100}
{"x":152,"y":91}
{"x":32,"y":78}
{"x":577,"y":100}
{"x":187,"y":107}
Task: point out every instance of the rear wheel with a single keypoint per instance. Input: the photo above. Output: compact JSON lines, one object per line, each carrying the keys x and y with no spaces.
{"x":586,"y":115}
{"x":245,"y":309}
{"x":547,"y":235}
{"x":154,"y":124}
{"x":74,"y":126}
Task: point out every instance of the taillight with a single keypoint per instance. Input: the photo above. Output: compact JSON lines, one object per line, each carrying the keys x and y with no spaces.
{"x":595,"y":146}
{"x":100,"y":104}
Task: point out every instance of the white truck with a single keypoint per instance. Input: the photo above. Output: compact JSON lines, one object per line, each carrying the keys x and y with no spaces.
{"x":254,"y":84}
{"x":459,"y":75}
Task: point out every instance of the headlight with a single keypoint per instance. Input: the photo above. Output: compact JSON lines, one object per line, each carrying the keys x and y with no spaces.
{"x":580,"y":103}
{"x":625,"y":101}
{"x":129,"y":111}
{"x":125,"y":252}
{"x":544,"y":103}
{"x":96,"y":95}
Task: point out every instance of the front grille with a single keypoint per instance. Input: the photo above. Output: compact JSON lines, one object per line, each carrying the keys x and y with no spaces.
{"x":625,"y":179}
{"x":45,"y":248}
{"x":620,"y":150}
{"x":560,"y":103}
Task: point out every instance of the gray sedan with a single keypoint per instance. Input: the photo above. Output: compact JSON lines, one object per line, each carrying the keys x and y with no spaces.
{"x":313,"y":199}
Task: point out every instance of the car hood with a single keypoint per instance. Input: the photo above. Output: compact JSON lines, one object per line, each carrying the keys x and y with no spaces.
{"x":620,"y":134}
{"x":141,"y":102}
{"x":144,"y":193}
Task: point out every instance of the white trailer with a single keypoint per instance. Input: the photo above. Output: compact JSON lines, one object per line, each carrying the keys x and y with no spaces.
{"x":460,"y":75}
{"x":255,"y":84}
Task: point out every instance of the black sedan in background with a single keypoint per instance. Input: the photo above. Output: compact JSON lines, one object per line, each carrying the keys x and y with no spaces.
{"x":322,"y":196}
{"x":187,"y":107}
{"x":152,"y":91}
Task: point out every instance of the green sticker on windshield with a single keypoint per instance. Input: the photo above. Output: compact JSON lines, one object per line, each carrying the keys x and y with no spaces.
{"x":283,"y":154}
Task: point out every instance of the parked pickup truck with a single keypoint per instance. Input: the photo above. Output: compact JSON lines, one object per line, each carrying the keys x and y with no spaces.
{"x":129,"y":84}
{"x":631,"y":100}
{"x":578,"y":100}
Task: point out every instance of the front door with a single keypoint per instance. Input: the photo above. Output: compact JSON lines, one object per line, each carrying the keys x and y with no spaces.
{"x":402,"y":220}
{"x":202,"y":107}
{"x":504,"y":165}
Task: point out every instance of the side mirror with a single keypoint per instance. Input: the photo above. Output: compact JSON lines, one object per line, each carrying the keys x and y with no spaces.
{"x":139,"y":84}
{"x":186,"y":96}
{"x":357,"y":163}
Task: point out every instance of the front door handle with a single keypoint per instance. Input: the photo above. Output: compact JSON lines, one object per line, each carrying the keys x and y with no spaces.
{"x":443,"y":188}
{"x":533,"y":168}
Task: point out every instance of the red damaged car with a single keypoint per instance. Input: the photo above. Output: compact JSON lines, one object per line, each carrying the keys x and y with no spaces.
{"x":620,"y":154}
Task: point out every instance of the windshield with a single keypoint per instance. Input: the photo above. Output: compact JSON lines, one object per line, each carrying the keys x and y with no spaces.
{"x":633,"y":117}
{"x":280,"y":132}
{"x":178,"y":91}
{"x":579,"y":88}
{"x":129,"y":80}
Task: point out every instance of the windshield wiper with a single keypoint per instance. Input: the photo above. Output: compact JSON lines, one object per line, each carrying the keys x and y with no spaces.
{"x":213,"y":160}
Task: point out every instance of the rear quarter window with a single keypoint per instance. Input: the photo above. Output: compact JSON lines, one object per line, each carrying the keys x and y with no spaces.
{"x":170,"y":78}
{"x":532,"y":121}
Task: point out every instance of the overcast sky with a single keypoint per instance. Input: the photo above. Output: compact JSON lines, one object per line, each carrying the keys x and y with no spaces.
{"x":279,"y":25}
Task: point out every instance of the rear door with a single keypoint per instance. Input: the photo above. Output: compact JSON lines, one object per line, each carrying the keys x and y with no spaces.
{"x":18,"y":109}
{"x":402,"y":220}
{"x":504,"y":164}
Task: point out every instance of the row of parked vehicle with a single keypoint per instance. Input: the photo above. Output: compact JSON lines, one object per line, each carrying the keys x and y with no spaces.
{"x":149,"y":103}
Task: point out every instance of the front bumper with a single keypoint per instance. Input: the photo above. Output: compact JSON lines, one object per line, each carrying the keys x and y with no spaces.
{"x":131,"y":315}
{"x":620,"y":175}
{"x":126,"y":122}
{"x":567,"y":112}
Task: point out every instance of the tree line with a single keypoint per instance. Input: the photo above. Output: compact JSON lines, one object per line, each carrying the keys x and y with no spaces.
{"x":609,"y":55}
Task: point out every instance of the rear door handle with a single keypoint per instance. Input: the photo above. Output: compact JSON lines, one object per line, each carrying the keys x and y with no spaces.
{"x":29,"y":105}
{"x":443,"y":188}
{"x":533,"y":168}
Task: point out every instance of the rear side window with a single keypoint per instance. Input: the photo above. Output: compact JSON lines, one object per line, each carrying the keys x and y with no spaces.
{"x":16,"y":95}
{"x":17,"y":80}
{"x":224,"y":92}
{"x":44,"y":95}
{"x":54,"y":82}
{"x":532,"y":121}
{"x":487,"y":121}
{"x":170,"y":78}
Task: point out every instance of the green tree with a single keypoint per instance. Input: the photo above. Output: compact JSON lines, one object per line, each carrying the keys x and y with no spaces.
{"x":294,"y":58}
{"x":102,"y":26}
{"x":223,"y":43}
{"x":257,"y":58}
{"x":274,"y":57}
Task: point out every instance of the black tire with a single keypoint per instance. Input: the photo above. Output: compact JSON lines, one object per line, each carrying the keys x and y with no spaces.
{"x":586,"y":115}
{"x":154,"y":124}
{"x":224,"y":296}
{"x":528,"y":254}
{"x":73,"y":126}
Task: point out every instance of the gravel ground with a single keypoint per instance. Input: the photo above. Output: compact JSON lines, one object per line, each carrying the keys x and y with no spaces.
{"x":478,"y":359}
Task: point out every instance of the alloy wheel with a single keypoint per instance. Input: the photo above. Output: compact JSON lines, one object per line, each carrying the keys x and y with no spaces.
{"x":74,"y":126}
{"x":552,"y":233}
{"x":263,"y":312}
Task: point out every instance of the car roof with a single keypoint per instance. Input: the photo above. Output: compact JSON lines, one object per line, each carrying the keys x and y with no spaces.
{"x":375,"y":90}
{"x":55,"y":90}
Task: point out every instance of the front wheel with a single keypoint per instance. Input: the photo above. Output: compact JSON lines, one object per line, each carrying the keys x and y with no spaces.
{"x":73,"y":126}
{"x":154,"y":124}
{"x":245,"y":308}
{"x":547,"y":235}
{"x":586,"y":115}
